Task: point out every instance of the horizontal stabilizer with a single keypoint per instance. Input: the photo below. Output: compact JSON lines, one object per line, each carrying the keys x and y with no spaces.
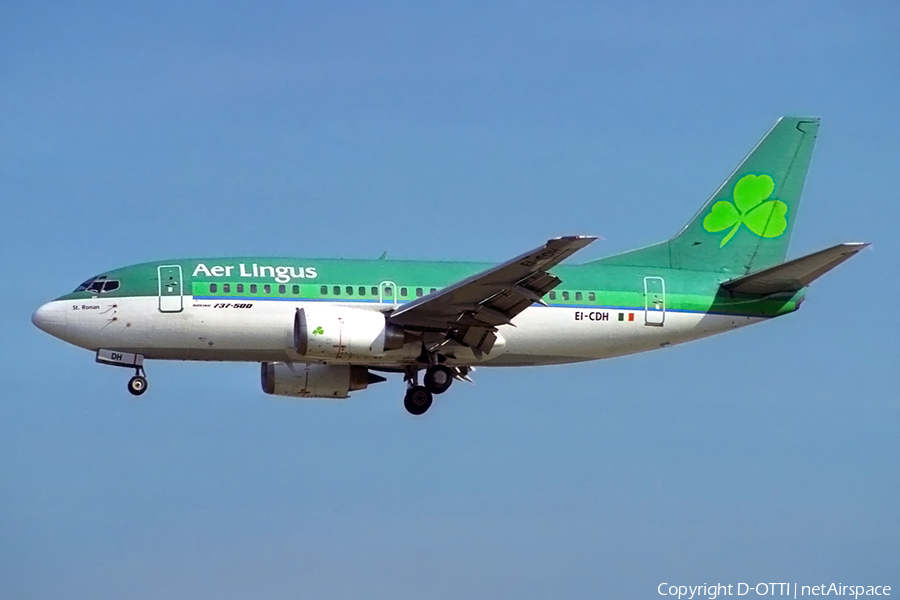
{"x":794,"y":274}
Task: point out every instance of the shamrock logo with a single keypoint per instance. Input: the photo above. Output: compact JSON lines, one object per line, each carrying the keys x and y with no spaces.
{"x":318,"y":331}
{"x":764,"y":217}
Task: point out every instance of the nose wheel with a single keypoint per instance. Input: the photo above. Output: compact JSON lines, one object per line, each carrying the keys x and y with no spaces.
{"x":137,"y":385}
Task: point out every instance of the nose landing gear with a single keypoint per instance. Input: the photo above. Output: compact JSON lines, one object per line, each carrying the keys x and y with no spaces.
{"x":137,"y":385}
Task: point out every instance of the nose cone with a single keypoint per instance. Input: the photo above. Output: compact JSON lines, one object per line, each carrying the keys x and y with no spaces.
{"x":51,"y":318}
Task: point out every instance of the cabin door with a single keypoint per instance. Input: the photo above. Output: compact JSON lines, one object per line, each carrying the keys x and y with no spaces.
{"x":170,"y":292}
{"x":387,"y":292}
{"x":654,"y":301}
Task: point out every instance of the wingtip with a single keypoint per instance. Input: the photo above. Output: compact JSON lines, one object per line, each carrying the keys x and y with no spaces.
{"x":587,"y":239}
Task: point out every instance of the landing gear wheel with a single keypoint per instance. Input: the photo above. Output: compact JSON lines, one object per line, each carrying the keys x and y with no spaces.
{"x":438,"y":379}
{"x":137,"y":385}
{"x":418,"y":400}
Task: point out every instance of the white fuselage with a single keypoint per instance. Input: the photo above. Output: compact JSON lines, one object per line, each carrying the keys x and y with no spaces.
{"x":262,"y":330}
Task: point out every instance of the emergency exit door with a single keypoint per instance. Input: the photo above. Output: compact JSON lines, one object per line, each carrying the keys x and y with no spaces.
{"x":170,"y":292}
{"x":654,"y":301}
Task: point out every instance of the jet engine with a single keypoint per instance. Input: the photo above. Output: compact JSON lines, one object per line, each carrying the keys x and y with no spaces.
{"x":303,"y":380}
{"x":330,"y":332}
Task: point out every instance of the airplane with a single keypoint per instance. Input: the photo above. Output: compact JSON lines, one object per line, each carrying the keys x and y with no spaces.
{"x":323,"y":328}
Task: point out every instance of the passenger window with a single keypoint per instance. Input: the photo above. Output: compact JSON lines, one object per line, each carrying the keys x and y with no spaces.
{"x":592,"y":297}
{"x":433,"y":290}
{"x":362,"y":291}
{"x":213,"y":288}
{"x":578,"y":295}
{"x":240,"y":288}
{"x":404,"y":292}
{"x":553,"y":295}
{"x":267,"y":289}
{"x":323,"y":290}
{"x":296,"y":290}
{"x":253,"y":288}
{"x":110,"y":286}
{"x":565,"y":295}
{"x":349,"y":290}
{"x":337,"y":290}
{"x":226,"y":287}
{"x":282,"y":289}
{"x":374,"y":291}
{"x":418,"y":292}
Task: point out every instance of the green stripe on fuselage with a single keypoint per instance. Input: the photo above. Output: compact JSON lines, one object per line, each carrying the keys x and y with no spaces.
{"x":599,"y":285}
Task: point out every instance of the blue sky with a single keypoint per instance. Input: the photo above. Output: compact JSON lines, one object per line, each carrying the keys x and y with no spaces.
{"x":143,"y":131}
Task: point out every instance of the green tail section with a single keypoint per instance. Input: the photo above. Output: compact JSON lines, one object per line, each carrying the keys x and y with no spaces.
{"x":746,"y":225}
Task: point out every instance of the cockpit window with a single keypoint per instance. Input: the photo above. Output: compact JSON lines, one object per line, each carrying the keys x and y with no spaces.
{"x":98,"y":285}
{"x":84,"y":285}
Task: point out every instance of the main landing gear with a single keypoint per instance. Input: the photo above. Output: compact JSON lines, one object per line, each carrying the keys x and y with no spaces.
{"x":437,"y":380}
{"x":417,"y":400}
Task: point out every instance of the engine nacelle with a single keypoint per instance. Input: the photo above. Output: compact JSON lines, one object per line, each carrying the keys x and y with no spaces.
{"x":330,"y":332}
{"x":303,"y":380}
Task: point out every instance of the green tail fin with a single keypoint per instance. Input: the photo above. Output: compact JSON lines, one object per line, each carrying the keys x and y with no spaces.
{"x":746,"y":225}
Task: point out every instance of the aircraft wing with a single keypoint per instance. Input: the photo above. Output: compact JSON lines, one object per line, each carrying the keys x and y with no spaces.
{"x":471,"y":310}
